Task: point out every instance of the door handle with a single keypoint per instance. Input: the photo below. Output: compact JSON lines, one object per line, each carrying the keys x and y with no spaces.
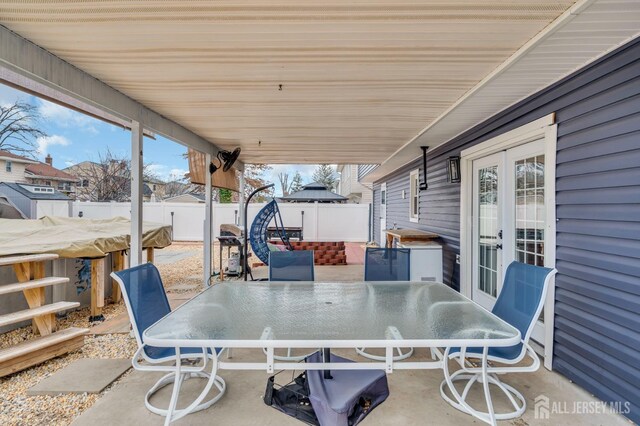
{"x":499,"y":246}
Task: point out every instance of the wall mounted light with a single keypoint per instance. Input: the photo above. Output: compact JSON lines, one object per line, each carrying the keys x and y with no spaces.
{"x":453,"y":169}
{"x":423,"y":184}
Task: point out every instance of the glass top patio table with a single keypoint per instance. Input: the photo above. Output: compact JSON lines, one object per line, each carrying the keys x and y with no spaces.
{"x":308,"y":314}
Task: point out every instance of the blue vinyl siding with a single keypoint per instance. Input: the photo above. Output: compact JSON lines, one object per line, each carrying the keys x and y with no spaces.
{"x":597,"y":336}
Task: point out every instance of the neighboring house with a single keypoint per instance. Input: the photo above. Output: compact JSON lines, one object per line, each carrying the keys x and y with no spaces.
{"x":47,"y":175}
{"x":25,"y":197}
{"x":314,"y":192}
{"x":89,"y":174}
{"x":350,"y":187}
{"x":13,"y":167}
{"x":552,"y":180}
{"x":186,"y":198}
{"x":157,"y":187}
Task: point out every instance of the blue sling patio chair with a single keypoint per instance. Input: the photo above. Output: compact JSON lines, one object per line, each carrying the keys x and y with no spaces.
{"x":146,"y":303}
{"x":519,"y":303}
{"x":387,"y":264}
{"x":294,"y":265}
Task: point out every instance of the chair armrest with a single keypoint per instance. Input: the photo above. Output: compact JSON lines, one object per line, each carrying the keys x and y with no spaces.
{"x":139,"y":356}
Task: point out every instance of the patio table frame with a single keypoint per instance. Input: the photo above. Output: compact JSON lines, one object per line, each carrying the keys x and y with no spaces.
{"x":268,"y":342}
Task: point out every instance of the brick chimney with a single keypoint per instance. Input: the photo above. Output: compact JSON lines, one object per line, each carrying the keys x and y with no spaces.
{"x":49,"y":160}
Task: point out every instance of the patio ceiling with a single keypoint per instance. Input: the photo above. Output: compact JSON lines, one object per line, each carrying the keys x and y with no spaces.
{"x":359,"y":79}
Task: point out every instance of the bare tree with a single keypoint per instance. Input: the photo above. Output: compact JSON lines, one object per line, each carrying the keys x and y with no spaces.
{"x":285,"y":185}
{"x":108,"y":179}
{"x":19,"y":128}
{"x":180,"y":186}
{"x":254,"y":178}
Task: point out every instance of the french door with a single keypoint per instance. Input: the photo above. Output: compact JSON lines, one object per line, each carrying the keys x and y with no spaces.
{"x":508,"y":218}
{"x":383,"y":214}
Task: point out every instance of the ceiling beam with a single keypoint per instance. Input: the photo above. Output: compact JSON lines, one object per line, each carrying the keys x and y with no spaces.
{"x":22,"y":57}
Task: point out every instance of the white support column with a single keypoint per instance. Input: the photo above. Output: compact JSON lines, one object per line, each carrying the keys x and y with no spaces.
{"x":135,"y":251}
{"x":241,"y":201}
{"x":208,"y":223}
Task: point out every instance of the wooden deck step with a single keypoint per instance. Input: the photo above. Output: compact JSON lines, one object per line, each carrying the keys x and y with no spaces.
{"x":12,"y":260}
{"x":35,"y":351}
{"x":42,"y":282}
{"x":27,"y":314}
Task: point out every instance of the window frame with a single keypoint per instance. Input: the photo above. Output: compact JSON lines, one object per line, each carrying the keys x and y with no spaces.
{"x":414,"y":196}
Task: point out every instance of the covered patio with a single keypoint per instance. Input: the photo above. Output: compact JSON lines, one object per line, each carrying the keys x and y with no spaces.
{"x":379,"y":84}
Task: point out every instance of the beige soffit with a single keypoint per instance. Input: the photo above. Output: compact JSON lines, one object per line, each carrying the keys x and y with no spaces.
{"x":289,"y":81}
{"x":589,"y":30}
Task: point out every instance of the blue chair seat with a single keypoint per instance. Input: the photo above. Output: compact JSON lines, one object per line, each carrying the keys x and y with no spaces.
{"x":155,"y":352}
{"x":507,"y":352}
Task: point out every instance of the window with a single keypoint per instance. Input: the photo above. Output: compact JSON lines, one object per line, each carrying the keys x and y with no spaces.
{"x":47,"y":182}
{"x":8,"y":166}
{"x":85,"y":183}
{"x":414,"y":195}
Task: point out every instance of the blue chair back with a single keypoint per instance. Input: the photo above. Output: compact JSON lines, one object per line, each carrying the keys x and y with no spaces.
{"x":145,"y":298}
{"x":387,"y":264}
{"x":294,"y":265}
{"x":522,"y":296}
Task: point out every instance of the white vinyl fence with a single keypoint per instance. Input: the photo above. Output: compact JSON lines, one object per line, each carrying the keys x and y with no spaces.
{"x":320,"y":222}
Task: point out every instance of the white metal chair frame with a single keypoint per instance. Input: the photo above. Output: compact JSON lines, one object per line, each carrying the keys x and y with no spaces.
{"x":176,"y":373}
{"x":487,"y":374}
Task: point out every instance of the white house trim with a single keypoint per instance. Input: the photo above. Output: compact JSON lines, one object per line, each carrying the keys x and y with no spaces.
{"x":543,"y":128}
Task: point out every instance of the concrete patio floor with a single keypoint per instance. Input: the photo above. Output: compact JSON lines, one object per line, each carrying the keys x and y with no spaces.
{"x":415,"y":397}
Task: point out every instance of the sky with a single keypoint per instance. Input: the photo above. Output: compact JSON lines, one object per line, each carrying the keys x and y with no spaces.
{"x":73,"y":137}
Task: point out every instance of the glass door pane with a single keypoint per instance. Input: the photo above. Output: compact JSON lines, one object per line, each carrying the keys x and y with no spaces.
{"x":530,"y":210}
{"x":488,"y":230}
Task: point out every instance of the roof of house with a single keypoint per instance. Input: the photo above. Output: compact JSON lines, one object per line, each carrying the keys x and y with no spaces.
{"x":45,"y":170}
{"x":22,"y":188}
{"x":15,"y":157}
{"x":314,"y":192}
{"x":199,"y":197}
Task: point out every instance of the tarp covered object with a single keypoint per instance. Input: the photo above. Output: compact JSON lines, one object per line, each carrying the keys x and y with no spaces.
{"x":76,"y":237}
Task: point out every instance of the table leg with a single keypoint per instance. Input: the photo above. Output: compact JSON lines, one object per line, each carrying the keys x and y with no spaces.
{"x":196,"y":405}
{"x":326,"y":357}
{"x":485,"y":385}
{"x":459,"y":402}
{"x":177,"y":383}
